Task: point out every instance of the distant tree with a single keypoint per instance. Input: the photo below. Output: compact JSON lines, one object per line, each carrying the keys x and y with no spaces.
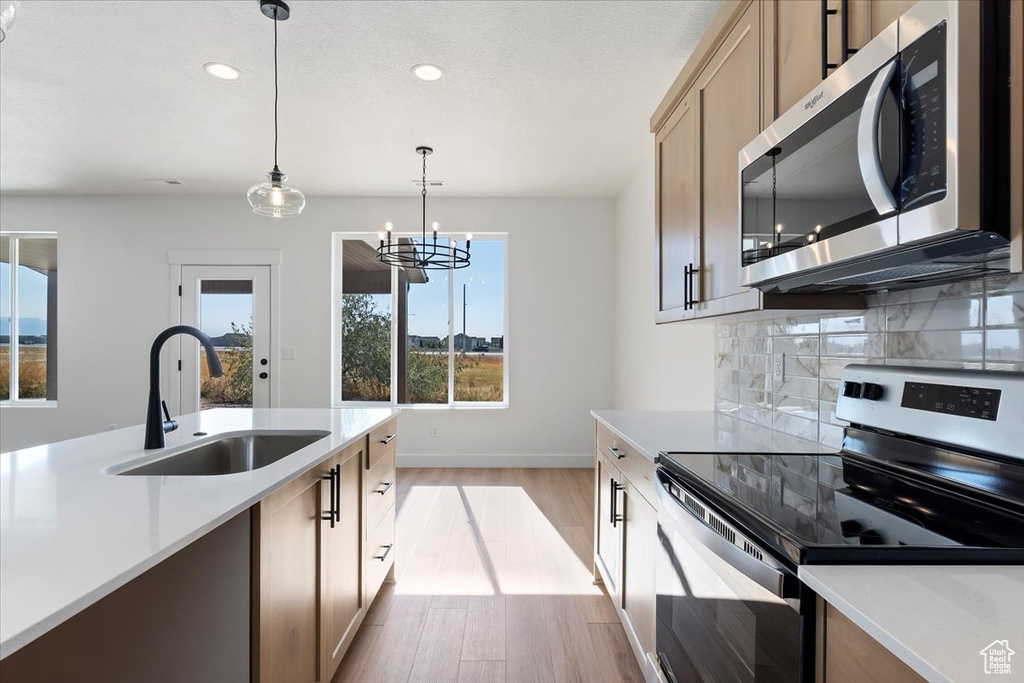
{"x":365,"y":349}
{"x":239,"y":372}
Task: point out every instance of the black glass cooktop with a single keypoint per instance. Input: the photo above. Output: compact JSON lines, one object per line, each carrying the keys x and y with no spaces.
{"x":881,"y":499}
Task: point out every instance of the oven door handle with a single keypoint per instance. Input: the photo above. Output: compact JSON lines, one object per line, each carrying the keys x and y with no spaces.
{"x":765,"y":570}
{"x":868,"y":156}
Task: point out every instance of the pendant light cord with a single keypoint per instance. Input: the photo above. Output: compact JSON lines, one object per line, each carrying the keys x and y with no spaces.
{"x":275,"y":93}
{"x":423,"y":192}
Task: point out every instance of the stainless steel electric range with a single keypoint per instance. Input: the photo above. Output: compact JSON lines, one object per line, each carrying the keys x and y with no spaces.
{"x":931,"y":471}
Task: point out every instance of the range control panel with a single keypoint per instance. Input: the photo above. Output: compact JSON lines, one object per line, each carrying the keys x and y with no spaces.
{"x":975,"y":402}
{"x":976,"y":410}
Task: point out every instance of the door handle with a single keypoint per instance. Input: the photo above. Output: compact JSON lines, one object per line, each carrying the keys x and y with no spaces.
{"x":868,"y":156}
{"x":387,"y":549}
{"x":692,"y":297}
{"x":616,"y":517}
{"x":384,"y":490}
{"x":825,"y":64}
{"x":330,"y":516}
{"x":337,"y":504}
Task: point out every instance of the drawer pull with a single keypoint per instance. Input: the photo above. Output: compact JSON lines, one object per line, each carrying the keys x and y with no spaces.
{"x":387,"y":485}
{"x":616,"y":452}
{"x":388,"y":439}
{"x":387,"y":549}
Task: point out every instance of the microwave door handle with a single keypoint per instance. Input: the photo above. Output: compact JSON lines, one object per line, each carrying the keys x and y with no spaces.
{"x":868,"y":155}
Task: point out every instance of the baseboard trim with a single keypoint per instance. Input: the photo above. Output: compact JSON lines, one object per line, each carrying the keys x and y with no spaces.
{"x":495,"y":460}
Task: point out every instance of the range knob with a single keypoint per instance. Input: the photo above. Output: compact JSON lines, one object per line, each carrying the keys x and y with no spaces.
{"x":852,"y":389}
{"x":871,"y":391}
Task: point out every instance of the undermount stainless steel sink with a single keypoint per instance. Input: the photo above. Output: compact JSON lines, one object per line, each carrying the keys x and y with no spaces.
{"x":229,"y":454}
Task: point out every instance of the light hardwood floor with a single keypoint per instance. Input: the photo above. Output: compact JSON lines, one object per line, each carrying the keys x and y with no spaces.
{"x":493,"y":582}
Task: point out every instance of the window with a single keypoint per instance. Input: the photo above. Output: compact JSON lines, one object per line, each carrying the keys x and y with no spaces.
{"x":28,"y":317}
{"x":419,"y":337}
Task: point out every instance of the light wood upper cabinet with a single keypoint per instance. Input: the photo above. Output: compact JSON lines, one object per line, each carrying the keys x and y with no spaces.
{"x":286,"y":588}
{"x":728,"y":100}
{"x":341,"y":600}
{"x":880,"y":13}
{"x":678,"y":231}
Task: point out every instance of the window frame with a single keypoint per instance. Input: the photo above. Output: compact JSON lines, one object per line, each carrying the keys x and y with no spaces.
{"x":13,"y":327}
{"x":336,"y":327}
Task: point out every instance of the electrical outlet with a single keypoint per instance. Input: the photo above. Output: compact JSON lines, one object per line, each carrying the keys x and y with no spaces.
{"x":779,"y":367}
{"x":433,"y":432}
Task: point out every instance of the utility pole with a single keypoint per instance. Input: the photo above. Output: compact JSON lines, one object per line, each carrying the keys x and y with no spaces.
{"x":464,"y":285}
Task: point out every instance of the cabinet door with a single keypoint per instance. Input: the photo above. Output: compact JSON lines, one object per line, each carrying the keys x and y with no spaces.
{"x":639,"y":565}
{"x":287,"y":590}
{"x":729,"y":107}
{"x":608,"y":544}
{"x":677,"y":210}
{"x":341,"y":608}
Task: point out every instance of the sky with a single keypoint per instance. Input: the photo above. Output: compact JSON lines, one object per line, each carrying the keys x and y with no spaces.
{"x":32,"y":299}
{"x":218,"y":311}
{"x":485,"y":300}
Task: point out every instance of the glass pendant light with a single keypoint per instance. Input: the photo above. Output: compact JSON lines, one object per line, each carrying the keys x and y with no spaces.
{"x":8,"y":10}
{"x":274,"y":197}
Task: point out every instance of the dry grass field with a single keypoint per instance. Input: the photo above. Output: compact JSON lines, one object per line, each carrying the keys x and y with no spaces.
{"x":31,"y":372}
{"x":480,"y":378}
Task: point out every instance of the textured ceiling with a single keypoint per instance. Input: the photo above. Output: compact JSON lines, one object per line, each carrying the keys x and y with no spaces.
{"x":538,"y":99}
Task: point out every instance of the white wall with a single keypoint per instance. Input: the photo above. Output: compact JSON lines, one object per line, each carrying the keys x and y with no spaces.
{"x":114,"y":298}
{"x":657,"y":367}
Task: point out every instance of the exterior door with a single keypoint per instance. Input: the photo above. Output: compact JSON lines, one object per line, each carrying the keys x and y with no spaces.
{"x":232,"y":305}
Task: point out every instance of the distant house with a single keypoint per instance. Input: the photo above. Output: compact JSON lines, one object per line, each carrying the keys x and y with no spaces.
{"x":996,"y":657}
{"x":497,"y":343}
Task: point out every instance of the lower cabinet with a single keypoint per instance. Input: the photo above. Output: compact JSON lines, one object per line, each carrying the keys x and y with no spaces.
{"x":847,"y":654}
{"x":626,"y":538}
{"x":322,"y":547}
{"x":342,"y":601}
{"x":640,"y":531}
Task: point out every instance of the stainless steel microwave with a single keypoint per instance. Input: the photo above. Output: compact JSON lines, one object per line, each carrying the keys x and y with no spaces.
{"x":894,"y":171}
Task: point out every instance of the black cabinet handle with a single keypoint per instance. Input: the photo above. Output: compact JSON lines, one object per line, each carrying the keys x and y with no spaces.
{"x":615,"y":451}
{"x":387,"y":485}
{"x":616,"y":517}
{"x":337,"y":504}
{"x":689,"y":288}
{"x":387,"y":549}
{"x":825,"y":14}
{"x":388,"y":439}
{"x":330,"y":516}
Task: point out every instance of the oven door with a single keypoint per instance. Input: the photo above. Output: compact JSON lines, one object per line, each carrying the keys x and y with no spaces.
{"x":821,"y":184}
{"x":724,"y":605}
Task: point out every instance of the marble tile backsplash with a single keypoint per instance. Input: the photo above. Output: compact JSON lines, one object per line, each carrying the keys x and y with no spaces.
{"x":971,"y":324}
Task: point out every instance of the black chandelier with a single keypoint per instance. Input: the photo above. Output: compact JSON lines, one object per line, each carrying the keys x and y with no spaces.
{"x":423,"y":253}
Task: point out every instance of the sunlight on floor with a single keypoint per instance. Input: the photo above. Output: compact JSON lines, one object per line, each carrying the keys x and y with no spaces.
{"x":485,"y":540}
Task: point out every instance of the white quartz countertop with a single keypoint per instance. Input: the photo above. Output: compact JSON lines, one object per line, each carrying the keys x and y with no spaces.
{"x":937,"y":619}
{"x":699,"y":432}
{"x":71,"y":534}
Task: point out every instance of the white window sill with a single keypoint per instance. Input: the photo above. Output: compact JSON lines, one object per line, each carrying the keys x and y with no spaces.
{"x":425,"y":406}
{"x":28,"y":403}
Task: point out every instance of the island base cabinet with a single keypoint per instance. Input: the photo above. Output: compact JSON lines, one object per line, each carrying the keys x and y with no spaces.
{"x":286,"y":586}
{"x":343,"y":603}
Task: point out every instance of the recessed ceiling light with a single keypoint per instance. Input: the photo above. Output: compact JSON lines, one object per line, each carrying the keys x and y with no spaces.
{"x":428,"y":72}
{"x":225,"y":72}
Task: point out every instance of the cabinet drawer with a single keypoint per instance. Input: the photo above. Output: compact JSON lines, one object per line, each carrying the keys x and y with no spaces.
{"x":382,"y":442}
{"x":380,"y":553}
{"x":633,"y":464}
{"x":380,"y":490}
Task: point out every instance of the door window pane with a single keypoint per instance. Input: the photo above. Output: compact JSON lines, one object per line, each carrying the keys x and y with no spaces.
{"x":366,"y":324}
{"x":480,"y":330}
{"x":423,"y":333}
{"x":5,"y":318}
{"x":225,"y":314}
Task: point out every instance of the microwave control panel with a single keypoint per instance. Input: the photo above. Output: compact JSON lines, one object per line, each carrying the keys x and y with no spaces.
{"x":923,"y":99}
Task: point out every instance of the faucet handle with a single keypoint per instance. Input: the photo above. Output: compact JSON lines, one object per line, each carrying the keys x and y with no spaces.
{"x":169,"y":424}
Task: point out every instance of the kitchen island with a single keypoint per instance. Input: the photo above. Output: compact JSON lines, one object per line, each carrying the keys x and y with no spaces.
{"x":72,"y":532}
